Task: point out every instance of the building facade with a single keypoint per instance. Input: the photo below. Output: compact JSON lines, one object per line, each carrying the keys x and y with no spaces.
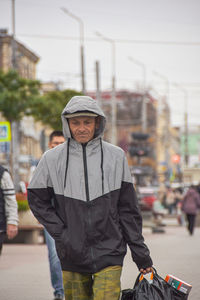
{"x":15,"y":55}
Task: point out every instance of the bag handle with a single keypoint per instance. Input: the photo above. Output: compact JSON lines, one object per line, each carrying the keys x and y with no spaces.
{"x":141,"y":276}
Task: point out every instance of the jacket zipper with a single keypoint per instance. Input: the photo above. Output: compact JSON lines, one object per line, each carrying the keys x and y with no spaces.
{"x":87,"y":194}
{"x":86,"y":173}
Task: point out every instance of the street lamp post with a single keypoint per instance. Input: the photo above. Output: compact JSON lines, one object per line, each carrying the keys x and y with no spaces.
{"x":81,"y":30}
{"x":98,"y":94}
{"x":144,"y":103}
{"x":113,"y":98}
{"x":15,"y":151}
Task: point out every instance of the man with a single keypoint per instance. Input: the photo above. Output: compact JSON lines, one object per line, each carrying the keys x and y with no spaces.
{"x":56,"y":138}
{"x":96,"y":211}
{"x":8,"y":207}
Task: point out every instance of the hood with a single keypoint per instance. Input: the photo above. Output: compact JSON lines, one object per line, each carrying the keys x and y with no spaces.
{"x":82,"y":103}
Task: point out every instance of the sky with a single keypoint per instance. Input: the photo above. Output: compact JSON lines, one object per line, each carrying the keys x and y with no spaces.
{"x":160,"y":38}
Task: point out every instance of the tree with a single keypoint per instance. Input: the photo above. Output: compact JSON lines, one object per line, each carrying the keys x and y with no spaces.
{"x":48,"y":108}
{"x":16,"y":95}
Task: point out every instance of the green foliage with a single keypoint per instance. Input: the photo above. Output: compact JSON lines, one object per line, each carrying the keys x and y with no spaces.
{"x":48,"y":108}
{"x":23,"y":205}
{"x":16,"y":95}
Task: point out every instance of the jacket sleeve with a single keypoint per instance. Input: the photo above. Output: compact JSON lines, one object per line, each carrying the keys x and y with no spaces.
{"x":40,"y":193}
{"x":131,"y":221}
{"x":10,"y":199}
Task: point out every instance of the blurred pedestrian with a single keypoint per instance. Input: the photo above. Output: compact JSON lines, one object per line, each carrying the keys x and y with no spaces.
{"x":178,"y":202}
{"x":161,"y":194}
{"x":56,"y":138}
{"x":159,"y":211}
{"x":190,"y":206}
{"x":8,"y":207}
{"x":170,"y":200}
{"x":96,"y":211}
{"x":178,"y":195}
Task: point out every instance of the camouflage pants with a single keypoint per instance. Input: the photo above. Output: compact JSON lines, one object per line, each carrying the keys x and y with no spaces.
{"x":103,"y":285}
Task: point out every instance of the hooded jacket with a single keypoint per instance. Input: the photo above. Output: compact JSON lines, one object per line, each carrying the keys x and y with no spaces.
{"x":96,"y":211}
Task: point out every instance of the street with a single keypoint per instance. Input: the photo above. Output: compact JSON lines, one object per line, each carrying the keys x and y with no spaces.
{"x":24,"y":273}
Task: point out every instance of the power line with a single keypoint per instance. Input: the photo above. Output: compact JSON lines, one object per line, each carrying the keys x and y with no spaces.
{"x":90,"y":39}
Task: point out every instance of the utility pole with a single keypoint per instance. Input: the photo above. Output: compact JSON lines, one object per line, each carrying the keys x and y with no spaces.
{"x":113,"y":96}
{"x":114,"y":99}
{"x":98,"y":94}
{"x":81,"y":31}
{"x":14,"y":125}
{"x":144,"y":101}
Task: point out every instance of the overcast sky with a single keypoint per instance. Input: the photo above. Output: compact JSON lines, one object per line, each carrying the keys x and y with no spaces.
{"x":162,"y":35}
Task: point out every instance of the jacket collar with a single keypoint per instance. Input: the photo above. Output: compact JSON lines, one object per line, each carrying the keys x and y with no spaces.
{"x":93,"y":145}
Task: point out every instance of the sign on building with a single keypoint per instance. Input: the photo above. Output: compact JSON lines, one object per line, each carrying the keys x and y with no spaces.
{"x":5,"y":132}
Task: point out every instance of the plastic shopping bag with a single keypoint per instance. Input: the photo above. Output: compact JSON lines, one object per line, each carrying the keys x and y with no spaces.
{"x":156,"y":289}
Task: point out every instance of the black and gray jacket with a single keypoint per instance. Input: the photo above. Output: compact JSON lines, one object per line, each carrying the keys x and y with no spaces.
{"x":96,"y":211}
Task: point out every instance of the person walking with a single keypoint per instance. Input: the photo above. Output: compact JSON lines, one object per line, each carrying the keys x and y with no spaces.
{"x":96,"y":211}
{"x":8,"y":207}
{"x":178,"y":192}
{"x":170,"y":200}
{"x":190,"y":206}
{"x":56,"y":138}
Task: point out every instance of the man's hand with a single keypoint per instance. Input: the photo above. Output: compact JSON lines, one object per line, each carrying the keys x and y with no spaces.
{"x":147,"y":270}
{"x":12,"y":231}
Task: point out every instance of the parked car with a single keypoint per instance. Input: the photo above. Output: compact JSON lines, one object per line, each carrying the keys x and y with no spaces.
{"x":146,"y":197}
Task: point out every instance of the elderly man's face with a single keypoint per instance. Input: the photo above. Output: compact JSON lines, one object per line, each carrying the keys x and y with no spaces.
{"x":82,"y":128}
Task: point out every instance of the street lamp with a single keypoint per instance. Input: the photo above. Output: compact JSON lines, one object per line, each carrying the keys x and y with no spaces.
{"x":144,"y":104}
{"x":113,"y":99}
{"x":185,"y":93}
{"x":81,"y":29}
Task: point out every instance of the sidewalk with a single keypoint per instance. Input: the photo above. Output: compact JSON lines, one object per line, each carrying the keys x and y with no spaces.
{"x":24,"y":270}
{"x":174,"y":252}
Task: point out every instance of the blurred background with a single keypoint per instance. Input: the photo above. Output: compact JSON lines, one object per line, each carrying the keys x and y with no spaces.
{"x":139,"y":59}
